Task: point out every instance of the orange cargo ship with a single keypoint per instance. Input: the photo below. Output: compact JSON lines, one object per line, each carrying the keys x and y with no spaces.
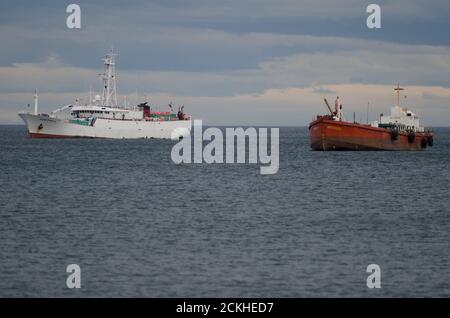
{"x":399,"y":131}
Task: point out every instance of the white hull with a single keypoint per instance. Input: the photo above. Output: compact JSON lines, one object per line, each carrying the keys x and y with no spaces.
{"x":41,"y":126}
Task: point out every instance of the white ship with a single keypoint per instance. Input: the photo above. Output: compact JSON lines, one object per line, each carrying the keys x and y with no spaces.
{"x":102,"y":117}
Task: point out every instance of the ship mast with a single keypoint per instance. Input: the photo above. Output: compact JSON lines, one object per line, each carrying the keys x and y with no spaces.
{"x":398,"y":89}
{"x":36,"y":101}
{"x":109,"y":81}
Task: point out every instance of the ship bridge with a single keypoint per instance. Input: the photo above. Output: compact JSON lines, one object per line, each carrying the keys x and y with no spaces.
{"x":106,"y":112}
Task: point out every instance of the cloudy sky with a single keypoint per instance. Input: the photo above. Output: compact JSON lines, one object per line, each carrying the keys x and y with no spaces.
{"x":231,"y":62}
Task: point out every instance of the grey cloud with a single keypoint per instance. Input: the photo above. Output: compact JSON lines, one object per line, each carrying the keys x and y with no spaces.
{"x":221,"y":48}
{"x":335,"y":61}
{"x":323,"y":90}
{"x":167,"y":32}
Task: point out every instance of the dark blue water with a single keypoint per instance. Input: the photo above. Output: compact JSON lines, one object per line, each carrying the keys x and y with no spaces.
{"x":139,"y":225}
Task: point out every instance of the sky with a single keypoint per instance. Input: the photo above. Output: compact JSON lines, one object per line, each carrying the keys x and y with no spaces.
{"x":231,"y":62}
